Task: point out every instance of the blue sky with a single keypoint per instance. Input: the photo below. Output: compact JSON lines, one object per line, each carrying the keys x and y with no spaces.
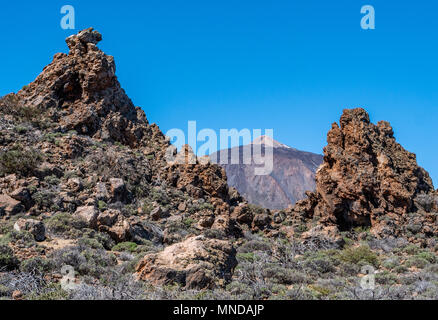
{"x":287,"y":65}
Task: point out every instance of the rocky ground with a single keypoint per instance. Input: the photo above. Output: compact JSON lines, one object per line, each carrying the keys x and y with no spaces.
{"x":85,"y":182}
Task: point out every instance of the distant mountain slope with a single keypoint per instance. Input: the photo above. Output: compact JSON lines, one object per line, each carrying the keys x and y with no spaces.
{"x":293,"y":174}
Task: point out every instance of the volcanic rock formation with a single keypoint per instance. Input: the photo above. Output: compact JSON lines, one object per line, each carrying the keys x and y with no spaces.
{"x":86,"y":154}
{"x":368,"y":179}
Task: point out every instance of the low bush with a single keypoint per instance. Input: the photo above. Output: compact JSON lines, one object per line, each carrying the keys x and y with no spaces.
{"x":7,"y":259}
{"x":19,"y":160}
{"x":24,"y":238}
{"x":65,"y":224}
{"x":44,"y":199}
{"x":281,"y":275}
{"x":85,"y":261}
{"x":248,"y":256}
{"x":36,"y":264}
{"x":103,"y":239}
{"x":125,"y":246}
{"x":362,"y":253}
{"x":417,"y":262}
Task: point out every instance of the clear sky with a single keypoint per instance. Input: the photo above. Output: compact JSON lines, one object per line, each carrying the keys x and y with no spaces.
{"x":287,"y":65}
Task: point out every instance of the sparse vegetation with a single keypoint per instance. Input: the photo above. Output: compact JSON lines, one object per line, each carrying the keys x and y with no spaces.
{"x":19,"y":160}
{"x":125,"y":246}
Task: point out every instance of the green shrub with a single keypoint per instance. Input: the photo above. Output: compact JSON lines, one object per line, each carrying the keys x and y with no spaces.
{"x":359,"y":254}
{"x":20,"y":129}
{"x":206,"y":206}
{"x":125,"y":246}
{"x":102,"y":238}
{"x":85,"y":261}
{"x":89,"y":243}
{"x":283,"y":275}
{"x":390,"y":263}
{"x":412,"y":249}
{"x":428,"y":256}
{"x":43,"y":199}
{"x":417,"y":262}
{"x":24,"y":238}
{"x":36,"y":264}
{"x":386,"y":278}
{"x":7,"y":259}
{"x":319,"y":291}
{"x":256,"y":209}
{"x":320,"y":263}
{"x":63,"y":223}
{"x":19,"y":160}
{"x":400,"y":269}
{"x":249,"y":256}
{"x":53,"y":291}
{"x":188,"y":222}
{"x":102,"y":205}
{"x":159,"y":196}
{"x":5,"y":291}
{"x":52,"y":180}
{"x":147,"y":208}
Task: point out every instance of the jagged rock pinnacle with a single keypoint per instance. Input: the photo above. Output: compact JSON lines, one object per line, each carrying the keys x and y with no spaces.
{"x":83,"y":38}
{"x":81,"y":92}
{"x":366,"y":175}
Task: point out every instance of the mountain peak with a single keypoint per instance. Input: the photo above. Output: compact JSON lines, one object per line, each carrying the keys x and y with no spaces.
{"x":293,"y":174}
{"x":270,"y":142}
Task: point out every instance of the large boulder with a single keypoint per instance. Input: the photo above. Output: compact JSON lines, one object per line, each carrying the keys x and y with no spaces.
{"x":9,"y":206}
{"x":88,"y":214}
{"x":196,"y":263}
{"x":22,"y":195}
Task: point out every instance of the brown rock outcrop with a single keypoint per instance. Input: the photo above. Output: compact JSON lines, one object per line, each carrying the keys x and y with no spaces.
{"x":85,"y":115}
{"x":366,"y":175}
{"x":81,"y":92}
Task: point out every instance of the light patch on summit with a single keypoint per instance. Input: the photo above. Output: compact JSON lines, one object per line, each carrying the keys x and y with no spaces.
{"x":270,"y":142}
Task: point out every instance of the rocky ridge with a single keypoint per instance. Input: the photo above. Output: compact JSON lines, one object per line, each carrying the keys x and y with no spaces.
{"x":74,"y":149}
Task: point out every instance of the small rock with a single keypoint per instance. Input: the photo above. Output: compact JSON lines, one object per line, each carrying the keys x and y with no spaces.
{"x":74,"y":184}
{"x":120,"y":231}
{"x":21,"y":194}
{"x":182,"y":207}
{"x":118,"y":189}
{"x":262,"y":220}
{"x":101,"y":191}
{"x":156,"y":213}
{"x":242,"y":214}
{"x":159,"y":213}
{"x":17,"y":295}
